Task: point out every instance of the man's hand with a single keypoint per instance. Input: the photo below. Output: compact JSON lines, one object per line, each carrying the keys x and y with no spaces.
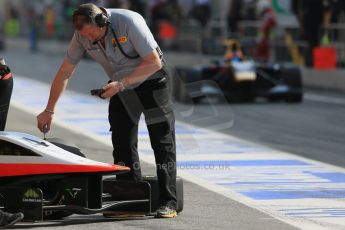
{"x":111,"y":89}
{"x":44,"y":121}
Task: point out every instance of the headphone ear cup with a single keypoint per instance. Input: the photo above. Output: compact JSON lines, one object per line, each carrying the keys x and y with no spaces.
{"x":101,"y":20}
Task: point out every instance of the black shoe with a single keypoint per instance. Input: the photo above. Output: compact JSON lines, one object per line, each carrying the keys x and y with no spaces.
{"x":166,"y":211}
{"x":9,"y":219}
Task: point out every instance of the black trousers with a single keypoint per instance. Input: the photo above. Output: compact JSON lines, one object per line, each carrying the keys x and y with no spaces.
{"x":2,"y":222}
{"x":6,"y":87}
{"x":125,"y":109}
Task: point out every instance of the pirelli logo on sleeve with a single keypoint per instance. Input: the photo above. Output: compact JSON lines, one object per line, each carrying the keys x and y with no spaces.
{"x":120,"y":40}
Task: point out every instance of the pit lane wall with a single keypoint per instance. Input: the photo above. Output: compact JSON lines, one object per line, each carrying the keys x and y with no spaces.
{"x":324,"y":79}
{"x":333,"y":80}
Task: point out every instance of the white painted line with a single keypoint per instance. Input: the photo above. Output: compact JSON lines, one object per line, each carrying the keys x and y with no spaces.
{"x":324,"y":99}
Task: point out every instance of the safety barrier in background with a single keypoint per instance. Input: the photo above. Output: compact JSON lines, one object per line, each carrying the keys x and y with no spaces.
{"x":285,"y":42}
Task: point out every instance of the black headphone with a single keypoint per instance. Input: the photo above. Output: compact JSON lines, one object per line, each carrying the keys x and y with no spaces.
{"x":100,"y":19}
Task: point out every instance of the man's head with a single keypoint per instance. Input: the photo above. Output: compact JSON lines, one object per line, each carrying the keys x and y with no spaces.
{"x":90,"y":21}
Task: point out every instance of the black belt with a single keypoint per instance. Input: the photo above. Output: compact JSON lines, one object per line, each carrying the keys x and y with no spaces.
{"x":158,"y":75}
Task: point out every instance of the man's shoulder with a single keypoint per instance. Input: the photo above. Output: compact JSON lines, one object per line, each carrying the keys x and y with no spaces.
{"x":122,"y":14}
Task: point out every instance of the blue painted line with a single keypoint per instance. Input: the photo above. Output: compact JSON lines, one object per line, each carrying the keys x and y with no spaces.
{"x":315,"y":213}
{"x":333,"y":209}
{"x":141,"y":132}
{"x":303,"y":209}
{"x":182,"y":129}
{"x":333,"y":177}
{"x":300,"y":194}
{"x":309,"y":217}
{"x":104,"y":133}
{"x":297,"y":209}
{"x":290,"y":182}
{"x":243,"y":163}
{"x":186,"y":131}
{"x":327,"y":212}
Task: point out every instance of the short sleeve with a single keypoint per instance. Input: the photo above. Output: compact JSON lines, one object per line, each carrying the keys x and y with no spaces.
{"x":75,"y":50}
{"x":140,"y":36}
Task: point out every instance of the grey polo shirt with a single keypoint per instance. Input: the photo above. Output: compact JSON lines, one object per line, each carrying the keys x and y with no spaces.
{"x":132,"y":33}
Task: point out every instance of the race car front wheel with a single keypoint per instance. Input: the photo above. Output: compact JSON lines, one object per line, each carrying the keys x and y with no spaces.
{"x":292,"y":78}
{"x":52,"y":195}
